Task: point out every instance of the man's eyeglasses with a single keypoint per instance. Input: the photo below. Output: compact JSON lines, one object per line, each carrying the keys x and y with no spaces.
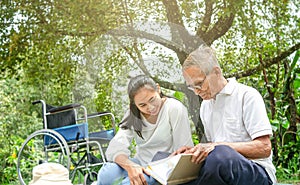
{"x":197,"y":86}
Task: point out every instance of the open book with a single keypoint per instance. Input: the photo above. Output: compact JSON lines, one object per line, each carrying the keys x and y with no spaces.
{"x":174,"y":169}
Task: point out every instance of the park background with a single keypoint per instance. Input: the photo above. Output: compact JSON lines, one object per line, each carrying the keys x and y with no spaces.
{"x":85,"y":51}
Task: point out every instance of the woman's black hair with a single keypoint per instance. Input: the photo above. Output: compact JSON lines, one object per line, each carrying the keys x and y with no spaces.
{"x":134,"y":120}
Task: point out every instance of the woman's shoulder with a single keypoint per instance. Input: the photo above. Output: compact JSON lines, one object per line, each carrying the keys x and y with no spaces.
{"x":172,"y":102}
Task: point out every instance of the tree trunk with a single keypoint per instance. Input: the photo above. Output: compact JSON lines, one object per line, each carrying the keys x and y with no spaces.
{"x":194,"y":103}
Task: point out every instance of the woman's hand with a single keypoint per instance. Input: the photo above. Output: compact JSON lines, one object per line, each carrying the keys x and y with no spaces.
{"x":136,"y":175}
{"x":135,"y":171}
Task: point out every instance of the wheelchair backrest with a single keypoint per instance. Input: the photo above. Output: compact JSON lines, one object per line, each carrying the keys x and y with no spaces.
{"x":60,"y":119}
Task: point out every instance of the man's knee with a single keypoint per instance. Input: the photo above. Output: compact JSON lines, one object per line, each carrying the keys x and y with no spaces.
{"x":222,"y":155}
{"x":224,"y":165}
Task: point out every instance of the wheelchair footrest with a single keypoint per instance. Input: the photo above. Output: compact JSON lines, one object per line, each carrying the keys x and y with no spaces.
{"x":93,"y":159}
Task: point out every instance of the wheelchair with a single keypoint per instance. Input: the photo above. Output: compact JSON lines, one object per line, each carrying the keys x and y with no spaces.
{"x":68,"y":139}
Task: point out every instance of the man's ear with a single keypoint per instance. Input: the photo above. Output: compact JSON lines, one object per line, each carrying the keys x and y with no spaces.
{"x":158,"y":88}
{"x":217,"y":70}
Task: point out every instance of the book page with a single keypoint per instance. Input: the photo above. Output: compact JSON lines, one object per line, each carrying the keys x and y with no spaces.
{"x":161,"y":169}
{"x":184,"y":171}
{"x":174,"y":170}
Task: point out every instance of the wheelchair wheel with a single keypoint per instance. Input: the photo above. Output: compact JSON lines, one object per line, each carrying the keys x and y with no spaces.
{"x":41,"y":146}
{"x":90,"y":177}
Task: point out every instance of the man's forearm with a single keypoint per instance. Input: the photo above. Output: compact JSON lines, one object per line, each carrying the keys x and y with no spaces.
{"x":255,"y":149}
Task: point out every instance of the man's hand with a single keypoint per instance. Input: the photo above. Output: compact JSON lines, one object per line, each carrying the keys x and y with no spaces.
{"x":181,"y":150}
{"x":200,"y":152}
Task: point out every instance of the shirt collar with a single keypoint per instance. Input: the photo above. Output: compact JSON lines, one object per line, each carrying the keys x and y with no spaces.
{"x":229,"y":87}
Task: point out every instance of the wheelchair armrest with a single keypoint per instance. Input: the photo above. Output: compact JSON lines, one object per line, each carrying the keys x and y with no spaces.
{"x":64,"y":108}
{"x":97,"y":114}
{"x":104,"y":113}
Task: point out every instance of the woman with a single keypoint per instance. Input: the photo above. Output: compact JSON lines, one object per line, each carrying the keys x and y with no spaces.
{"x":155,"y":122}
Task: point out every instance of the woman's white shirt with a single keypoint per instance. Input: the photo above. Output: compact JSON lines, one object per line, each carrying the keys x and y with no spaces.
{"x":170,"y":132}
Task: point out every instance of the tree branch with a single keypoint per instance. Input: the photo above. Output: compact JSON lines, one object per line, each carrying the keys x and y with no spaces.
{"x":184,"y":44}
{"x":138,"y":60}
{"x":270,"y":91}
{"x":219,"y":29}
{"x":267,"y":63}
{"x":179,"y":33}
{"x":141,"y":34}
{"x":221,"y":26}
{"x":173,"y":13}
{"x":206,"y":19}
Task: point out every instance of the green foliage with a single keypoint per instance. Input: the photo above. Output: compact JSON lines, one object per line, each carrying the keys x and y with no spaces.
{"x":288,"y":159}
{"x":15,"y":124}
{"x":179,"y":96}
{"x":288,"y":163}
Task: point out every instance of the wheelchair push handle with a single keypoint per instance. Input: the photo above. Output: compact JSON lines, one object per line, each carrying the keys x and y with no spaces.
{"x":36,"y":102}
{"x":57,"y":109}
{"x":64,"y":108}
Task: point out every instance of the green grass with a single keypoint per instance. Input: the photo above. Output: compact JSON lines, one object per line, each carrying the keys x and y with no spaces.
{"x":293,"y":182}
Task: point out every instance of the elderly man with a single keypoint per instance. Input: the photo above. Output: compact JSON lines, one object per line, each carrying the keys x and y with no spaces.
{"x":236,"y":125}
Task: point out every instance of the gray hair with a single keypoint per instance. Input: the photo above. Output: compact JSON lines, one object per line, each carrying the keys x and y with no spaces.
{"x":203,"y":57}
